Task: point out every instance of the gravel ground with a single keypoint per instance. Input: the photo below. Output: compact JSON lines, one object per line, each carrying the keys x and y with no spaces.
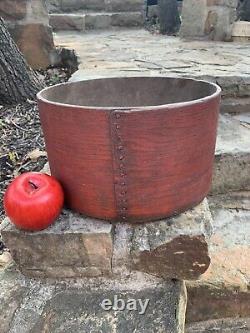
{"x":22,"y":145}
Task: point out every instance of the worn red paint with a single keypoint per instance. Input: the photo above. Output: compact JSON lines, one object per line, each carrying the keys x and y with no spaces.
{"x":131,"y":163}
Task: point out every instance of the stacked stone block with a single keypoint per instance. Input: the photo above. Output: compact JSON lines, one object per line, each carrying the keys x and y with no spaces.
{"x":145,"y":261}
{"x":211,"y":19}
{"x":83,"y":15}
{"x":28,"y":23}
{"x":97,"y":5}
{"x":77,"y":246}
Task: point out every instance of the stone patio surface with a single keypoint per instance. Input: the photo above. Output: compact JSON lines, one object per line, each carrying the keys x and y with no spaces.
{"x":137,"y":51}
{"x":224,"y":290}
{"x":34,"y":306}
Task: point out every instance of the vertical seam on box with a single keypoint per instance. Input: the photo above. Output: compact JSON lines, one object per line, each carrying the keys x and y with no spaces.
{"x":119,"y":164}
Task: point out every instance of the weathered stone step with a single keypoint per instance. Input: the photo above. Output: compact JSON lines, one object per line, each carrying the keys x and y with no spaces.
{"x":87,"y":20}
{"x":224,"y":290}
{"x":225,"y":325}
{"x":77,"y":246}
{"x":57,"y":6}
{"x":232,"y":157}
{"x":67,"y":22}
{"x":91,"y":305}
{"x":235,"y":105}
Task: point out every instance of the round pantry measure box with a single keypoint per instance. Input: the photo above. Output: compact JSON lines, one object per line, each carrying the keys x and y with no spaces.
{"x":131,"y":149}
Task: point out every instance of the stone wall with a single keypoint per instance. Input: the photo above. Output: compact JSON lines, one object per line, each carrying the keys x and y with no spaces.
{"x":28,"y":24}
{"x":101,"y":5}
{"x":211,"y":19}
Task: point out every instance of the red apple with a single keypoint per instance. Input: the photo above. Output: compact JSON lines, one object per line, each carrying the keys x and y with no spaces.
{"x":33,"y":201}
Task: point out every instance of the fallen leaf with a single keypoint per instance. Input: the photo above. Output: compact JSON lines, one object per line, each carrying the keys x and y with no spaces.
{"x":31,"y":101}
{"x":12,"y":157}
{"x":35,"y":154}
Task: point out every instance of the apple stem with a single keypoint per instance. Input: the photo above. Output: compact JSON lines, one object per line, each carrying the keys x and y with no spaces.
{"x":33,"y":185}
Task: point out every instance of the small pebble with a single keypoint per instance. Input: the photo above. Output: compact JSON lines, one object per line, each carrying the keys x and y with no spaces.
{"x":5,"y":259}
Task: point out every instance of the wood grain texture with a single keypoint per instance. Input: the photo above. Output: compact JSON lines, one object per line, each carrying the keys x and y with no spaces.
{"x":132,"y":164}
{"x":80,"y":157}
{"x":169,"y":156}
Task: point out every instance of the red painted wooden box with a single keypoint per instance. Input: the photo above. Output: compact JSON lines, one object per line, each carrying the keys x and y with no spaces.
{"x":131,"y":149}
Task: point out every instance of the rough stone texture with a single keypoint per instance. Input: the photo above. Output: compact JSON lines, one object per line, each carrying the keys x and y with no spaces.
{"x":235,"y":325}
{"x":34,"y":306}
{"x":232,"y":159}
{"x":72,"y":5}
{"x":5,"y":259}
{"x":28,"y":23}
{"x":67,"y":22}
{"x":231,"y":200}
{"x":94,"y":20}
{"x":126,"y":19}
{"x":85,"y":306}
{"x":212,"y":19}
{"x":241,"y":31}
{"x":121,"y":261}
{"x":37,"y":12}
{"x":176,"y":247}
{"x":76,"y":246}
{"x":11,"y":295}
{"x":53,"y":6}
{"x":226,"y":3}
{"x":153,"y":11}
{"x":224,"y":290}
{"x":193,"y":18}
{"x":96,"y":5}
{"x":235,"y":105}
{"x":124,"y":5}
{"x":219,"y":22}
{"x":104,"y":14}
{"x":97,"y":21}
{"x":73,"y":246}
{"x":36,"y":43}
{"x":26,"y":302}
{"x":225,"y":63}
{"x":13,"y":9}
